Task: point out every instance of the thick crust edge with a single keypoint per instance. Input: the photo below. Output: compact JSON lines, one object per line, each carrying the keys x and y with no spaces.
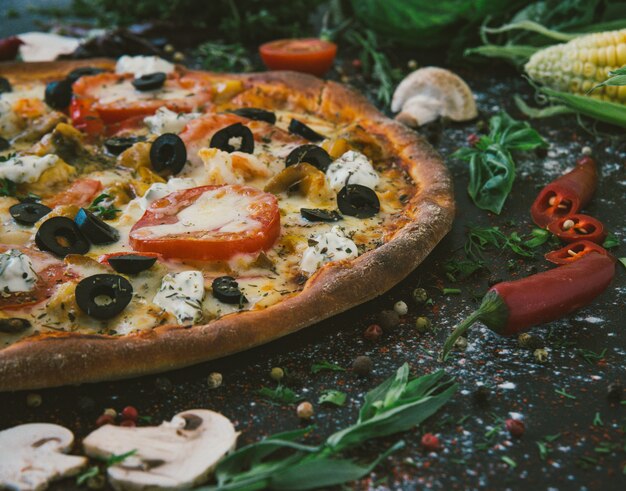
{"x":55,"y":360}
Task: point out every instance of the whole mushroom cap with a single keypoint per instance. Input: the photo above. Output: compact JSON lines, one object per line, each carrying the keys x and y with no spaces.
{"x":431,"y":92}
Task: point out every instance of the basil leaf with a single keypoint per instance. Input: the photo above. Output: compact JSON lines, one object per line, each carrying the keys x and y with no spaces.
{"x":335,"y":397}
{"x":326,"y":365}
{"x":280,"y":394}
{"x":514,"y":135}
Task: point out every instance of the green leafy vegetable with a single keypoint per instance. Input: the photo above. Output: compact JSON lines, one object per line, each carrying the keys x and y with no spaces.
{"x":458,"y":269}
{"x":479,"y":238}
{"x":104,"y":207}
{"x":509,"y":461}
{"x":491,"y":166}
{"x":591,"y":357}
{"x":335,"y":397}
{"x":281,"y":462}
{"x":93,"y":471}
{"x":611,"y":241}
{"x":538,"y":237}
{"x":616,"y":78}
{"x":224,"y":57}
{"x":622,"y":260}
{"x":7,"y":187}
{"x":326,"y":365}
{"x":280,"y":394}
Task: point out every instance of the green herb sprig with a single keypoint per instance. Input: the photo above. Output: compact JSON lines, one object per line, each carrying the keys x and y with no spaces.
{"x":94,"y":470}
{"x":281,"y":462}
{"x":103,"y":207}
{"x":491,"y":166}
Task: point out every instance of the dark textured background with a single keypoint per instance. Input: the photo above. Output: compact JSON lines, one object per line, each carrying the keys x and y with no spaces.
{"x":516,"y":383}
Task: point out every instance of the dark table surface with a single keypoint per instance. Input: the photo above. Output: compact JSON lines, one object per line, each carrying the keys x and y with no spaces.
{"x":587,"y":455}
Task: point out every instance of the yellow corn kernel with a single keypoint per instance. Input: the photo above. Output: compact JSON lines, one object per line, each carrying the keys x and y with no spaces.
{"x":621,"y":93}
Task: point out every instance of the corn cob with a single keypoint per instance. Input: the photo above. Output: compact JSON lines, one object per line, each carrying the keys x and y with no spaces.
{"x":582,"y":63}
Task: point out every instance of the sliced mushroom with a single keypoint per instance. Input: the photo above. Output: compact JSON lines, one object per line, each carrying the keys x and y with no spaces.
{"x":311,"y":182}
{"x":32,"y":455}
{"x":431,"y":92}
{"x":175,"y":455}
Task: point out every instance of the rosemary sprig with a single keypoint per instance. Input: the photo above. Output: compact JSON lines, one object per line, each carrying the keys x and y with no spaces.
{"x":103,"y":207}
{"x":281,"y":462}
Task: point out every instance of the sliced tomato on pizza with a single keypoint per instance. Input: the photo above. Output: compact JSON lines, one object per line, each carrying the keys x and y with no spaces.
{"x":208,"y":223}
{"x":114,"y":98}
{"x":80,"y":193}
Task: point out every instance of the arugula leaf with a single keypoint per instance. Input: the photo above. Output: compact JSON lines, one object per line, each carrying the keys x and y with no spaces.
{"x":280,"y":394}
{"x":280,"y":462}
{"x":109,"y":461}
{"x":458,"y":269}
{"x":335,"y":397}
{"x":538,"y":237}
{"x":623,"y":261}
{"x":491,"y":166}
{"x":326,"y":365}
{"x":478,"y":238}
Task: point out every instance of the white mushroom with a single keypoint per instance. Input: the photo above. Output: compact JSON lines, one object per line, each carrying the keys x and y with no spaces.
{"x":431,"y":92}
{"x":32,"y":455}
{"x":178,"y":454}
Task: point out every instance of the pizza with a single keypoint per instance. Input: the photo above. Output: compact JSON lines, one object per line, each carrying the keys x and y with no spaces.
{"x":154,"y":217}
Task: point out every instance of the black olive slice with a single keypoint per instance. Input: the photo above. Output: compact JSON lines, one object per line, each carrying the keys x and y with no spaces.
{"x":131,"y":263}
{"x":256,"y":114}
{"x":226,"y":289}
{"x":58,"y":94}
{"x":299,"y":128}
{"x":61,"y":236}
{"x":103,"y":296}
{"x":4,"y":144}
{"x":28,"y":213}
{"x":118,"y":144}
{"x":151,"y":81}
{"x":221,"y":139}
{"x":318,"y":215}
{"x":5,"y":85}
{"x":168,"y":153}
{"x":95,"y":229}
{"x":14,"y":325}
{"x":83,"y":71}
{"x":358,"y":201}
{"x":311,"y":154}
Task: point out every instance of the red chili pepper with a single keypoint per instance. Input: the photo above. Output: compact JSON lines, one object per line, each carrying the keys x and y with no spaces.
{"x":9,"y":48}
{"x":511,"y":307}
{"x":567,"y":194}
{"x":574,"y":251}
{"x":573,"y":228}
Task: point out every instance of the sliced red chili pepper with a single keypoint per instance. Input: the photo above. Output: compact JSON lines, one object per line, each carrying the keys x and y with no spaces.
{"x":511,"y":307}
{"x":567,"y":194}
{"x":574,"y":251}
{"x":573,"y":228}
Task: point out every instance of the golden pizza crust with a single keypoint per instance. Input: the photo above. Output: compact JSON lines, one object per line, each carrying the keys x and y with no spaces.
{"x":58,"y":359}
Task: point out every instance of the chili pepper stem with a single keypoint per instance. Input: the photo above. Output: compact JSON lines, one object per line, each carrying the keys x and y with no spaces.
{"x":492,"y":312}
{"x":459,"y":330}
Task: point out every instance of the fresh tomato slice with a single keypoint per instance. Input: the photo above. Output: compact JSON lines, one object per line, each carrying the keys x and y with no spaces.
{"x":85,"y":118}
{"x":208,"y":223}
{"x":573,"y":228}
{"x":114,"y":98}
{"x":574,"y":251}
{"x":50,"y":272}
{"x":80,"y":193}
{"x":309,"y":55}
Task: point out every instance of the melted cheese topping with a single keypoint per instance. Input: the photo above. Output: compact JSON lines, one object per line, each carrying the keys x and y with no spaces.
{"x":351,"y":168}
{"x":166,"y":121}
{"x":26,"y":168}
{"x":213,"y":212}
{"x":181,"y":295}
{"x":16,"y":272}
{"x":142,"y":65}
{"x":120,"y":92}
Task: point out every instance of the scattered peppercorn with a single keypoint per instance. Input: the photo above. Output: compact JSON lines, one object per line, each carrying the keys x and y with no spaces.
{"x":214,"y":380}
{"x":473,"y":139}
{"x":168,"y":48}
{"x":128,"y":422}
{"x":130,"y":412}
{"x":420,"y":296}
{"x":586,"y":151}
{"x":277,"y":374}
{"x":388,"y":319}
{"x":529,"y":341}
{"x":178,"y":57}
{"x":460,"y":344}
{"x":110,"y":412}
{"x":430,"y":442}
{"x":33,"y":400}
{"x":105,"y":419}
{"x":482,"y":394}
{"x":373,"y":332}
{"x":615,"y":392}
{"x":515,"y":427}
{"x":411,"y":64}
{"x":305,"y":410}
{"x":422,"y":324}
{"x":401,"y":308}
{"x":362,"y":365}
{"x":541,"y":355}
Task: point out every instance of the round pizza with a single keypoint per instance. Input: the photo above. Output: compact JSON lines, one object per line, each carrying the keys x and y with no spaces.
{"x":153,"y":217}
